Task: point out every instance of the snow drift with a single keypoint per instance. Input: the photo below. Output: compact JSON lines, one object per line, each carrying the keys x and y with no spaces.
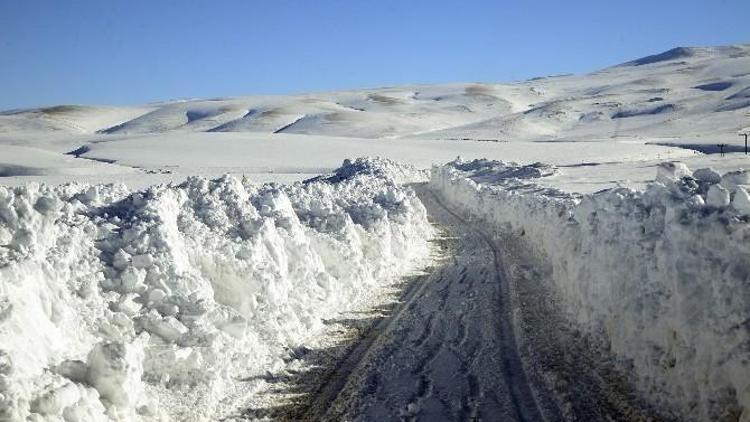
{"x":155,"y":304}
{"x":663,"y":273}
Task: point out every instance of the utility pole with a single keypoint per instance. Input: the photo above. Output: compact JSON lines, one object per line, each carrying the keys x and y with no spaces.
{"x":745,"y":135}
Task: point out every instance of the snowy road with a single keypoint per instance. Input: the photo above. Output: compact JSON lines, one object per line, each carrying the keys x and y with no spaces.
{"x":443,"y":354}
{"x":448,"y":351}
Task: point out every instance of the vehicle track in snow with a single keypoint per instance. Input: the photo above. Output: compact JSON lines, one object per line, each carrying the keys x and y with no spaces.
{"x":448,"y":350}
{"x":317,"y":405}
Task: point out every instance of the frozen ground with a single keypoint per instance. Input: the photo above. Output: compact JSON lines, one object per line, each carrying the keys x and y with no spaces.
{"x":156,"y":277}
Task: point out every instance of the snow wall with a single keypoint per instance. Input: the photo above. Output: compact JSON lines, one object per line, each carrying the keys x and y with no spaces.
{"x":663,"y":273}
{"x":159,"y":304}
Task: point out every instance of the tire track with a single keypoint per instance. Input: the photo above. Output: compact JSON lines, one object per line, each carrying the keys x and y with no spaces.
{"x":523,"y":400}
{"x":318,"y":406}
{"x":447,"y":351}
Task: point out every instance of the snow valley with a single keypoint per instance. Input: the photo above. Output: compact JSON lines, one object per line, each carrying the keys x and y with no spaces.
{"x":585,"y":257}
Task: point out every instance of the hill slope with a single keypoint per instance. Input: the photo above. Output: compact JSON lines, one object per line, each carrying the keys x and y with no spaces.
{"x":661,"y":95}
{"x":685,"y":97}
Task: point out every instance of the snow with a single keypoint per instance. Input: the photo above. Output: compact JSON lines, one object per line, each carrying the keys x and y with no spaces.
{"x":717,"y":196}
{"x":149,"y":271}
{"x":156,"y":303}
{"x":661,"y":273}
{"x":68,"y":118}
{"x":563,"y":120}
{"x":671,"y":171}
{"x":145,"y":160}
{"x":29,"y":161}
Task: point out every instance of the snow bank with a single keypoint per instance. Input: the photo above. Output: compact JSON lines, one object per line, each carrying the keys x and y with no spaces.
{"x":156,"y":304}
{"x":662,"y":273}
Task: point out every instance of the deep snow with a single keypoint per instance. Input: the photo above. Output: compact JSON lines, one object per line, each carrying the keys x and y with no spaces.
{"x":159,"y":303}
{"x":661,"y":274}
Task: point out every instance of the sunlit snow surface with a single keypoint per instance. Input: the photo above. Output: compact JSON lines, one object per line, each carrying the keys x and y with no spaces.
{"x":662,"y":273}
{"x":700,"y":96}
{"x":133,"y":293}
{"x":163,"y":302}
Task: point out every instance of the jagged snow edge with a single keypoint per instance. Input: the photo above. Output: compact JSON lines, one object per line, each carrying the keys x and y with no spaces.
{"x":660,"y":273}
{"x":152,"y":304}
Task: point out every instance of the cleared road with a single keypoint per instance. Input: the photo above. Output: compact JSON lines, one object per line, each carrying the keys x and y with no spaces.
{"x":449,"y":350}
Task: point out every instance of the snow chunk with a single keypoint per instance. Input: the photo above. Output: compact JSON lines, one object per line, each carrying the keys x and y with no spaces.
{"x":121,"y":260}
{"x":717,"y":196}
{"x":132,"y":280}
{"x":741,"y":201}
{"x":707,"y":175}
{"x":128,"y":305}
{"x":668,"y":172}
{"x":735,"y":178}
{"x":142,"y":261}
{"x":115,"y":370}
{"x":168,"y":328}
{"x":660,"y":278}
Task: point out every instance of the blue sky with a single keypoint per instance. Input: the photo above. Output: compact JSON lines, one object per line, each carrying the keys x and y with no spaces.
{"x":129,"y":52}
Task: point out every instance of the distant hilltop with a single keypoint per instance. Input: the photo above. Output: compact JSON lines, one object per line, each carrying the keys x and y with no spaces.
{"x":691,"y":92}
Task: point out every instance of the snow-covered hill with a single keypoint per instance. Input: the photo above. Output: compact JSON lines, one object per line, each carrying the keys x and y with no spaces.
{"x":661,"y":96}
{"x":684,"y":97}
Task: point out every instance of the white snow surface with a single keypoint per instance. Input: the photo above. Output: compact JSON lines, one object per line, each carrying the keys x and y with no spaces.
{"x":140,"y":299}
{"x":661,"y":273}
{"x":659,"y":96}
{"x":648,"y":109}
{"x":164,"y":303}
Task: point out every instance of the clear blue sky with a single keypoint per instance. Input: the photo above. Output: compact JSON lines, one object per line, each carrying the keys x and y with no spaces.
{"x":128,"y":52}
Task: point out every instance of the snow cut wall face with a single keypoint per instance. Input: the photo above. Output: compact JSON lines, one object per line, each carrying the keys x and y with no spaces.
{"x":663,"y":273}
{"x":152,"y":304}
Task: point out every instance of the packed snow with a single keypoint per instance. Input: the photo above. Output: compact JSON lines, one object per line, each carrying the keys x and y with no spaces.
{"x":661,"y":273}
{"x":157,"y":303}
